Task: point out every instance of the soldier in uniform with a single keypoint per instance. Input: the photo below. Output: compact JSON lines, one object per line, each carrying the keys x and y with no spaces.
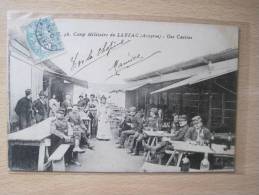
{"x":60,"y":129}
{"x":63,"y":133}
{"x":79,"y":129}
{"x":40,"y":108}
{"x":154,"y":122}
{"x":24,"y":110}
{"x":198,"y":134}
{"x":179,"y":135}
{"x":81,"y":103}
{"x":134,"y":124}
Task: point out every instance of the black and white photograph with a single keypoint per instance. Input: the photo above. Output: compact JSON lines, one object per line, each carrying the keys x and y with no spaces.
{"x":102,"y":95}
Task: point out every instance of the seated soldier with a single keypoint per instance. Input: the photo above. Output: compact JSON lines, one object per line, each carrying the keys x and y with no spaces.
{"x":179,"y":135}
{"x":138,"y":136}
{"x":154,"y":123}
{"x":124,"y":126}
{"x":133,"y":127}
{"x":79,"y":129}
{"x":198,"y":134}
{"x":60,"y":133}
{"x":175,"y":123}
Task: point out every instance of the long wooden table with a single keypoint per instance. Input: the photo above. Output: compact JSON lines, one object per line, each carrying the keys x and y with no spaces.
{"x":181,"y":147}
{"x":36,"y":135}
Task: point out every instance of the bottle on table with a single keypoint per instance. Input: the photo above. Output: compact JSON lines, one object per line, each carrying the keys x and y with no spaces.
{"x":205,"y":164}
{"x":185,"y":164}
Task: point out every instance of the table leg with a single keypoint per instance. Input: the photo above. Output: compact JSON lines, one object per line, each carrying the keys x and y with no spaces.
{"x":179,"y":159}
{"x":41,"y":157}
{"x":170,"y":159}
{"x":152,"y":144}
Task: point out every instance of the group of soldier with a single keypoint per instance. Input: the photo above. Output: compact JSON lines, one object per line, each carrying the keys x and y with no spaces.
{"x":67,"y":125}
{"x":132,"y":132}
{"x":69,"y":128}
{"x":30,"y":112}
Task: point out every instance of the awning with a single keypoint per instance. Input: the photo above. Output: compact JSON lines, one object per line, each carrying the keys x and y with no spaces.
{"x":196,"y":62}
{"x":135,"y":87}
{"x":213,"y":70}
{"x":73,"y":80}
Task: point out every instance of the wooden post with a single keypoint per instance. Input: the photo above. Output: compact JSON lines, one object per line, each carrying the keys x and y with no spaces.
{"x":210,"y":111}
{"x":223,"y":109}
{"x":41,"y":157}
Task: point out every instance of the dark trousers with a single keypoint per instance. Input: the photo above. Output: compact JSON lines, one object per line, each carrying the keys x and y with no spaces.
{"x":56,"y":142}
{"x":24,"y":121}
{"x":125,"y":135}
{"x":39,"y":117}
{"x":138,"y":144}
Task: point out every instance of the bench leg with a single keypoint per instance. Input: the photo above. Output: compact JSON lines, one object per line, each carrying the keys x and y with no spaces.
{"x":59,"y":165}
{"x":170,"y":159}
{"x":152,"y":144}
{"x":41,"y":157}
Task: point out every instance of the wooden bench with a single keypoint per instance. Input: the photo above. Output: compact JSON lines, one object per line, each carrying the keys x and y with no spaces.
{"x":150,"y":167}
{"x":57,"y":158}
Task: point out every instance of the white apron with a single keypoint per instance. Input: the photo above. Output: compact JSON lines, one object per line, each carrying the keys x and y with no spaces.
{"x":104,"y":130}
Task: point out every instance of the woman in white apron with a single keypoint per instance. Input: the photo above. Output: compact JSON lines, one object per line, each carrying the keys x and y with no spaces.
{"x":104,"y":130}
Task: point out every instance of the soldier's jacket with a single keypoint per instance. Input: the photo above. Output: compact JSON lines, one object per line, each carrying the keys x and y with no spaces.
{"x":75,"y":119}
{"x":204,"y":134}
{"x":59,"y":127}
{"x":136,"y":123}
{"x":154,"y":123}
{"x":179,"y":135}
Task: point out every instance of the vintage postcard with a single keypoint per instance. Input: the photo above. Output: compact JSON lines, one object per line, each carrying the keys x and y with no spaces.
{"x":95,"y":95}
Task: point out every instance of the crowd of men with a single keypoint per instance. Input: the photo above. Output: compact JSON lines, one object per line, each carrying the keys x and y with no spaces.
{"x":68,"y":123}
{"x":30,"y":112}
{"x":132,"y":132}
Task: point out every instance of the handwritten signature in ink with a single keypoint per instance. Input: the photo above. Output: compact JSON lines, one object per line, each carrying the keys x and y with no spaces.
{"x":119,"y":65}
{"x":79,"y":63}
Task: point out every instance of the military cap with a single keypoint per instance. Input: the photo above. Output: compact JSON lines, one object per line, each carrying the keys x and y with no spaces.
{"x":69,"y":108}
{"x":183,"y":118}
{"x":155,"y":110}
{"x":103,"y":97}
{"x":28,"y":92}
{"x":81,"y":95}
{"x":196,"y":119}
{"x":132,"y":109}
{"x":61,"y":111}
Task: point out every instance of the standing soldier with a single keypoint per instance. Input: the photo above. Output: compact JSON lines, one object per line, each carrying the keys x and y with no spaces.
{"x":79,"y":129}
{"x":24,"y":110}
{"x":81,"y":102}
{"x":40,"y":107}
{"x":86,"y":99}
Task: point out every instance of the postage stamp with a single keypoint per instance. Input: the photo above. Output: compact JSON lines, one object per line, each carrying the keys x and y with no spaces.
{"x":43,"y":39}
